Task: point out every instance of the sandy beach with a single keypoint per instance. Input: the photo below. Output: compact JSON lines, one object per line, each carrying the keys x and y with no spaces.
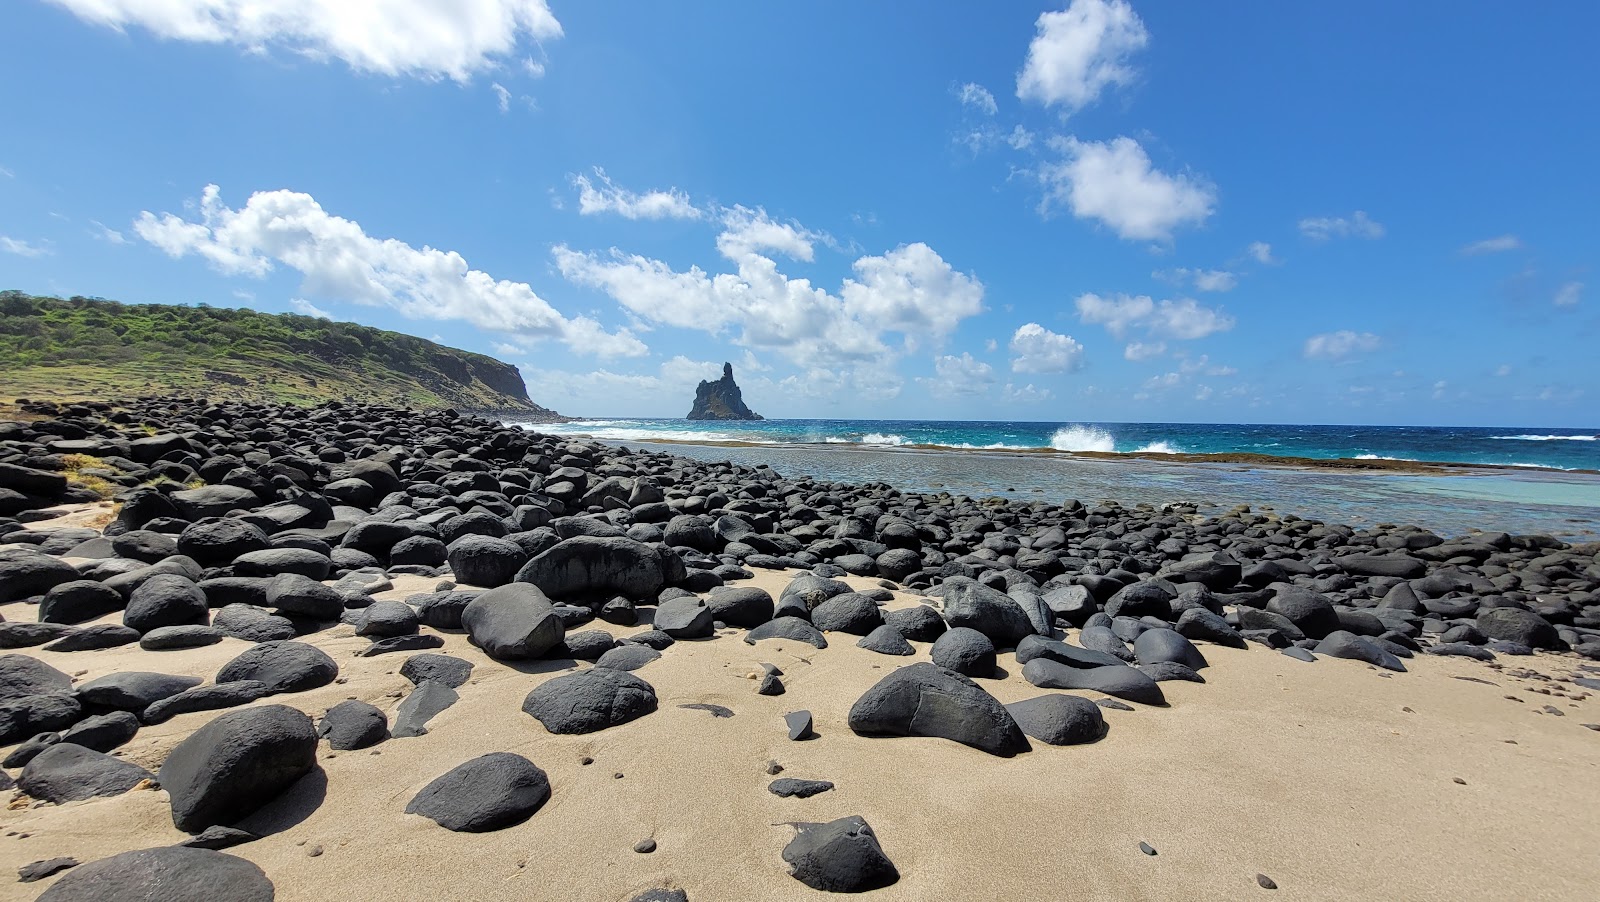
{"x":1334,"y":778}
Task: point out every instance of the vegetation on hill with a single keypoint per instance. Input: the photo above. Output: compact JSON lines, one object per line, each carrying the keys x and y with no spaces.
{"x":88,"y":348}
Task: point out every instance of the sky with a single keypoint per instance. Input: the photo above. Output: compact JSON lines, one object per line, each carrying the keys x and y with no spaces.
{"x":1362,"y":212}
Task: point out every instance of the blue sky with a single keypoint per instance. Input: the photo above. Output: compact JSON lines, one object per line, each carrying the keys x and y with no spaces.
{"x":1245,"y":212}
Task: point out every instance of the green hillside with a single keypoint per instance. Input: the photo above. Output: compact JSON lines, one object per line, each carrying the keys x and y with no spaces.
{"x":87,"y":348}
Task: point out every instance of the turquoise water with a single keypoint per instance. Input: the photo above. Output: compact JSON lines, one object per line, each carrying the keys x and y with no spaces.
{"x":1545,"y":501}
{"x":1519,"y":446}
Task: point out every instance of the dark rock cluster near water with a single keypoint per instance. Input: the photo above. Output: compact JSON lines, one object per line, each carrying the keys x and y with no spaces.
{"x":721,"y":400}
{"x":270,"y":523}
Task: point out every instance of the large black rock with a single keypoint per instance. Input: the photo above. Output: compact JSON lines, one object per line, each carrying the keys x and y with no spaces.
{"x":590,"y":700}
{"x":1059,"y":719}
{"x":235,"y":764}
{"x":927,"y":700}
{"x":594,"y":566}
{"x":167,"y":874}
{"x":285,"y":666}
{"x":841,"y":856}
{"x":66,"y":772}
{"x":720,"y":400}
{"x":512,"y":622}
{"x":491,"y":792}
{"x":997,"y":615}
{"x":1122,"y":681}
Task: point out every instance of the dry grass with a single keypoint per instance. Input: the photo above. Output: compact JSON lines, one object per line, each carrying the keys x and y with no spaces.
{"x":73,"y":469}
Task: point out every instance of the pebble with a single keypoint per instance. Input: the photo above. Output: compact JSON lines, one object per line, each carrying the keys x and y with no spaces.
{"x":1147,"y":849}
{"x":1265,"y":882}
{"x":644,"y":846}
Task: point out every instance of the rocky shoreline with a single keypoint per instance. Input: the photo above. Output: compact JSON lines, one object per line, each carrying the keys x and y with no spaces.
{"x":262,"y":548}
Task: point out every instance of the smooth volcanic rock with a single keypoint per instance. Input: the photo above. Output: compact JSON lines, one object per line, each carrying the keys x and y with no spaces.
{"x":841,"y":856}
{"x":443,"y":669}
{"x":1059,"y":719}
{"x":1521,"y":627}
{"x":597,"y":565}
{"x":965,"y":651}
{"x":285,"y":666}
{"x":787,"y":628}
{"x":789,"y":788}
{"x":886,"y":640}
{"x":26,"y":751}
{"x":588,"y":645}
{"x":95,"y":636}
{"x":1162,"y":671}
{"x":353,"y":724}
{"x":685,"y":618}
{"x":219,"y":837}
{"x":590,"y":700}
{"x":298,"y":595}
{"x":413,"y":642}
{"x":627,"y":656}
{"x":65,"y":772}
{"x":486,"y":561}
{"x":491,"y":792}
{"x":419,"y":707}
{"x":237,"y":763}
{"x":1381,"y":565}
{"x":997,"y":615}
{"x":166,"y":599}
{"x":275,"y":561}
{"x":1201,"y":625}
{"x":24,"y":675}
{"x":175,"y":638}
{"x":927,"y":700}
{"x":25,"y":572}
{"x":920,"y":623}
{"x":167,"y":874}
{"x":1162,"y":645}
{"x":1063,"y":653}
{"x":1345,"y":644}
{"x":103,"y":732}
{"x":1313,"y":614}
{"x":49,"y":867}
{"x":206,"y":698}
{"x":744,"y":606}
{"x":19,"y":634}
{"x":386,"y":619}
{"x":133,"y":690}
{"x":1123,"y":682}
{"x":1102,"y":639}
{"x":22,"y":718}
{"x":798,"y":724}
{"x":252,"y":624}
{"x":79,"y":600}
{"x":851,"y":612}
{"x":217,"y":542}
{"x":513,"y":622}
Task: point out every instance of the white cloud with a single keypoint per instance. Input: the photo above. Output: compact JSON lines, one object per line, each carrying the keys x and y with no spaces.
{"x":752,"y":363}
{"x":863,"y":382}
{"x":610,"y":198}
{"x":1439,"y":389}
{"x":978,"y":97}
{"x":22,"y":248}
{"x":1214,"y":280}
{"x":502,"y":97}
{"x":1182,"y":319}
{"x":1079,"y":52}
{"x":991,"y":345}
{"x":1020,"y":138}
{"x":910,"y":290}
{"x":1027,"y":394}
{"x":1038,"y":350}
{"x":1113,"y":182}
{"x":604,"y":392}
{"x":1503,"y":370}
{"x":1139,"y":350}
{"x":506,"y":349}
{"x":1569,"y":295}
{"x":1357,"y":225}
{"x":1341,"y":344}
{"x":1261,"y":252}
{"x":956,"y":376}
{"x":107,"y":234}
{"x":306,"y":308}
{"x":1496,"y":245}
{"x":423,"y":38}
{"x":338,"y":259}
{"x":747,"y":232}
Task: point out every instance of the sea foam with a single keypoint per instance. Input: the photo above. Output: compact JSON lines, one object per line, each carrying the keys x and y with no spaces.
{"x":1082,"y":438}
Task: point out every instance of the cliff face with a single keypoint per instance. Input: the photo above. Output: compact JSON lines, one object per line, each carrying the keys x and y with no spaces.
{"x":721,"y":400}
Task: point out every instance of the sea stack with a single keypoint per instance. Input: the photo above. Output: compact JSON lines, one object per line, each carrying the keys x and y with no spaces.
{"x":721,"y":400}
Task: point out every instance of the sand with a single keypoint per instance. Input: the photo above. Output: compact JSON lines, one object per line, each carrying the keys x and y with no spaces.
{"x":1334,"y":778}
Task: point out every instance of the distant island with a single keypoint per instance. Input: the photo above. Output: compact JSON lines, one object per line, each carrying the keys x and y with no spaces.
{"x":721,"y":400}
{"x":88,"y":348}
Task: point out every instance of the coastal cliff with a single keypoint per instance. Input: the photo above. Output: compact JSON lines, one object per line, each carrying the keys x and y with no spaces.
{"x":721,"y":400}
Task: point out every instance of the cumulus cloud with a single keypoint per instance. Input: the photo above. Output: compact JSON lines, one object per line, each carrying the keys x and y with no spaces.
{"x":1569,"y":295}
{"x":506,"y":349}
{"x":1340,"y":345}
{"x":1183,"y":319}
{"x":1356,"y":225}
{"x":604,"y":196}
{"x":1079,"y":52}
{"x":1038,"y":350}
{"x":1027,"y":394}
{"x":306,"y":308}
{"x":422,"y":38}
{"x":606,"y":392}
{"x":22,"y":248}
{"x":338,"y":259}
{"x":978,"y":97}
{"x":1114,"y":183}
{"x":910,"y":290}
{"x":1261,"y":252}
{"x":1213,"y":280}
{"x":957,"y":376}
{"x":1497,"y":245}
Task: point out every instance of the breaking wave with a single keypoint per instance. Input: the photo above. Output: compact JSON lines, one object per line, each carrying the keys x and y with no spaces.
{"x":1381,"y":457}
{"x":1158,"y":448}
{"x":1082,"y":438}
{"x":1546,"y":438}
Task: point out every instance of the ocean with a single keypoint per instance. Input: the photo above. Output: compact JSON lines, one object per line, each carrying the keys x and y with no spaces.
{"x":1530,"y":486}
